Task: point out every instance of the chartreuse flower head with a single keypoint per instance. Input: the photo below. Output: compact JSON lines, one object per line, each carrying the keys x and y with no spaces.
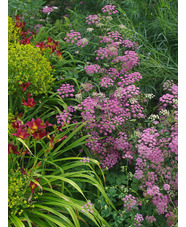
{"x":18,"y":192}
{"x":26,"y":64}
{"x":13,"y":31}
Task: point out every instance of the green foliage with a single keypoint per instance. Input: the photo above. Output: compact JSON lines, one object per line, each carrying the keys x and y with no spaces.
{"x":18,"y":187}
{"x":11,"y":130}
{"x":29,"y":9}
{"x":27,"y":64}
{"x":13,"y":31}
{"x":155,"y":27}
{"x":65,"y":181}
{"x":53,"y":175}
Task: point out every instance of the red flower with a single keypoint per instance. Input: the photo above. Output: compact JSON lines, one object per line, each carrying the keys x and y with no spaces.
{"x":33,"y":185}
{"x":51,"y":44}
{"x":21,"y":133}
{"x":30,"y":102}
{"x":51,"y":144}
{"x":20,"y":115}
{"x":17,"y":17}
{"x":12,"y":149}
{"x":50,"y":40}
{"x":35,"y":125}
{"x":41,"y":45}
{"x":39,"y":134}
{"x":25,"y":152}
{"x":64,"y":137}
{"x":58,"y":53}
{"x":47,"y":124}
{"x":16,"y":124}
{"x":25,"y":85}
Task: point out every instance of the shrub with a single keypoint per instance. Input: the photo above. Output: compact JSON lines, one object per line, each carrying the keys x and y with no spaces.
{"x":13,"y":31}
{"x":27,"y":64}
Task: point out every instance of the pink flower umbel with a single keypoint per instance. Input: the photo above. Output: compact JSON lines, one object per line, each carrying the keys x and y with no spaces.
{"x":30,"y":102}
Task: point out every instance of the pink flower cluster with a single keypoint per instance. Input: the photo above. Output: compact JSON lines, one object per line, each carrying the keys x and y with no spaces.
{"x":48,"y":10}
{"x":66,"y":90}
{"x":150,"y":219}
{"x":85,"y":159}
{"x":82,"y":42}
{"x":110,"y":9}
{"x":106,"y":81}
{"x":161,"y":202}
{"x":171,"y":218}
{"x":153,"y":149}
{"x":131,"y":202}
{"x":109,"y":159}
{"x":117,"y":37}
{"x":121,"y":144}
{"x":72,"y":37}
{"x":138,"y":219}
{"x":87,"y":207}
{"x":37,"y":27}
{"x":111,"y":50}
{"x":64,"y":118}
{"x":170,"y":99}
{"x":128,"y":61}
{"x":91,"y":69}
{"x":113,"y":73}
{"x":93,"y":19}
{"x":129,"y":44}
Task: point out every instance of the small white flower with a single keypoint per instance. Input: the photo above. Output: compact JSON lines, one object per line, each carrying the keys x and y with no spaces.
{"x":109,"y":18}
{"x":122,"y":26}
{"x":112,"y":48}
{"x":164,"y":112}
{"x":175,"y":101}
{"x":90,"y":29}
{"x":137,"y":133}
{"x":149,"y":96}
{"x":132,"y":100}
{"x":78,"y":96}
{"x":99,"y":24}
{"x":153,"y":117}
{"x":84,"y":40}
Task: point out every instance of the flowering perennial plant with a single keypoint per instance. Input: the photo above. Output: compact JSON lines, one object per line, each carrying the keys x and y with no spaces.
{"x":19,"y":181}
{"x":106,"y":112}
{"x":48,"y":9}
{"x":50,"y":44}
{"x":115,"y":114}
{"x":26,"y":65}
{"x":64,"y":117}
{"x":34,"y":128}
{"x":88,"y":207}
{"x":110,"y":9}
{"x":130,"y":202}
{"x":66,"y":90}
{"x":138,"y":219}
{"x":93,"y":19}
